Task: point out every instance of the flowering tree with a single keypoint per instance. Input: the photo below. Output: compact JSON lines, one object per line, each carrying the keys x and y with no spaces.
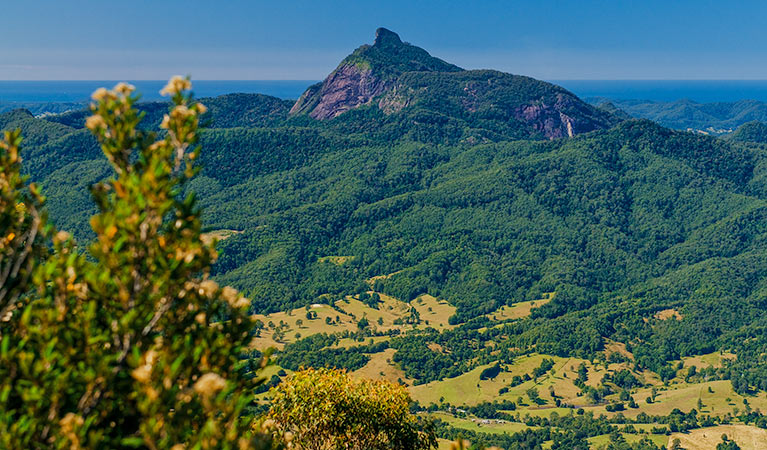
{"x":22,"y":230}
{"x":328,"y":409}
{"x":134,"y":347}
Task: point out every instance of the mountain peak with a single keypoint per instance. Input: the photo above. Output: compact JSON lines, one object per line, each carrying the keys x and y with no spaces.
{"x":386,"y":37}
{"x":367,"y":73}
{"x":393,"y":75}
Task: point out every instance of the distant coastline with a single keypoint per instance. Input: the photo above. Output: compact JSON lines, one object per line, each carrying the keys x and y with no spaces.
{"x":80,"y":91}
{"x":701,"y":91}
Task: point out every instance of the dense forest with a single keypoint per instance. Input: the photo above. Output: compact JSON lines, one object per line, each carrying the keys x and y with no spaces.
{"x":620,"y":223}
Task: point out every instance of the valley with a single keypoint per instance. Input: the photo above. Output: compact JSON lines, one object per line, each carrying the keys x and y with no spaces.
{"x":651,"y":400}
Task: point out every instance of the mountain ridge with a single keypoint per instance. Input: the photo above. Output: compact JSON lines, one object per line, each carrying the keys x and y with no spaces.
{"x":392,"y":76}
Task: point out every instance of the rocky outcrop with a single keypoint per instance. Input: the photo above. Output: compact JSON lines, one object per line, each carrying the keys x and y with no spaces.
{"x":564,"y":118}
{"x":367,"y":73}
{"x":348,"y":87}
{"x":394,"y":101}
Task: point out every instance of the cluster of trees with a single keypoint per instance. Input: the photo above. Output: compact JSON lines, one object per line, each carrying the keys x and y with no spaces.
{"x":562,"y":433}
{"x":312,"y":351}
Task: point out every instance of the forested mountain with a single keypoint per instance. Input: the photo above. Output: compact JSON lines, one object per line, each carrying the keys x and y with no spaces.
{"x":367,"y":73}
{"x":714,"y":118}
{"x":430,"y":189}
{"x":395,"y":78}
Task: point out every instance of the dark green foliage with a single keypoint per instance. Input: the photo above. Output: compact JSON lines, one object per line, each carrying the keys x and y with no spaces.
{"x":620,"y":223}
{"x":566,"y":433}
{"x":225,"y":111}
{"x":754,"y":131}
{"x":727,"y":444}
{"x":490,"y":373}
{"x":494,"y":410}
{"x":35,"y":131}
{"x":245,"y":110}
{"x":312,"y":352}
{"x":545,"y":366}
{"x":583,"y":375}
{"x":623,"y":379}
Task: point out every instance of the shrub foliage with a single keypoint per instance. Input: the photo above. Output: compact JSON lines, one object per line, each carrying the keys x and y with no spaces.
{"x":328,"y":409}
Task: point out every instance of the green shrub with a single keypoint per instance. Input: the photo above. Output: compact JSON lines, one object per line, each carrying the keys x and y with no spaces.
{"x":132,"y":345}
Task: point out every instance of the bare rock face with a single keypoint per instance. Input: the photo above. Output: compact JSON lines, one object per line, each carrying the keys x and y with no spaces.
{"x":552,"y":121}
{"x":367,"y":73}
{"x":348,"y":87}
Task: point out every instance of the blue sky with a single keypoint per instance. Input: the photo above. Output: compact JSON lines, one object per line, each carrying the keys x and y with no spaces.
{"x":238,"y":39}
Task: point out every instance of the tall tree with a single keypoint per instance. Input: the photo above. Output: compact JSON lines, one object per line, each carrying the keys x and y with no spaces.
{"x":328,"y":409}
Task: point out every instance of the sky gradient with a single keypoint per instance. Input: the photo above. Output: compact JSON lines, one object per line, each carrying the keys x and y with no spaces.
{"x":303,"y":40}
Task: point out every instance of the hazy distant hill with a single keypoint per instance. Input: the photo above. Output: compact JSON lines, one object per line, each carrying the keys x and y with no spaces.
{"x":714,"y":118}
{"x":225,"y":111}
{"x":41,"y":108}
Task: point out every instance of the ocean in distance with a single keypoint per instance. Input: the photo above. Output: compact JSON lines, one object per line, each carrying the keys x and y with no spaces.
{"x":79,"y":91}
{"x":702,"y":91}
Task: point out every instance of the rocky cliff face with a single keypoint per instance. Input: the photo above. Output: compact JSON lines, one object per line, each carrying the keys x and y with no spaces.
{"x":551,"y":120}
{"x":397,"y":77}
{"x":348,"y":87}
{"x":367,"y":73}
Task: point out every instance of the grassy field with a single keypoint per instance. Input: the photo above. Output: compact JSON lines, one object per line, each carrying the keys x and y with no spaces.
{"x":711,"y":359}
{"x":337,"y":260}
{"x":717,"y":397}
{"x":346,"y":315}
{"x":518,"y":310}
{"x":597,"y":442}
{"x":720,"y":401}
{"x":217,"y":235}
{"x":433,"y":312}
{"x":444,"y":444}
{"x":297,"y":322}
{"x":479,"y":425}
{"x":469,"y":389}
{"x":747,"y":437}
{"x":380,"y":366}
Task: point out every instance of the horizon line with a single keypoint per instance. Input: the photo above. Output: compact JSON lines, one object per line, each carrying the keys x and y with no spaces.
{"x":316,"y":80}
